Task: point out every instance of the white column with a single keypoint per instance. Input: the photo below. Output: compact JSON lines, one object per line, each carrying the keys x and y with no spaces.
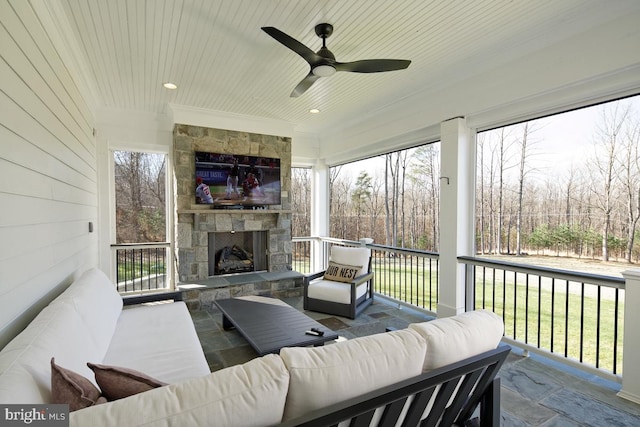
{"x":457,"y":201}
{"x":631,"y":340}
{"x":319,"y":210}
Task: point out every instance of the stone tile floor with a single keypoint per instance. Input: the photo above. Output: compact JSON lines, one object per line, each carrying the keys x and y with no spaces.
{"x":535,"y":390}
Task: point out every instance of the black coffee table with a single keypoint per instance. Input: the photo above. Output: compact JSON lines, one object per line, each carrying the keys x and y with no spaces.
{"x":270,"y":324}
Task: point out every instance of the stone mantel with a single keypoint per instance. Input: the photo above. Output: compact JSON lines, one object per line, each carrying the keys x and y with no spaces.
{"x":234,"y":211}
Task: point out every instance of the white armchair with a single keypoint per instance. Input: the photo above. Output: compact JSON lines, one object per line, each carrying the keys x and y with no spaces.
{"x":346,"y":287}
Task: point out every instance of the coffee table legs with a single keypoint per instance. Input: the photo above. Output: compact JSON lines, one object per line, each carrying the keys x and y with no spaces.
{"x":226,"y":324}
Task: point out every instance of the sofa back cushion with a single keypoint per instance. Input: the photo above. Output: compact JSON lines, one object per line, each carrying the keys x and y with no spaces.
{"x":455,"y":338}
{"x":252,"y":394}
{"x":25,"y":363}
{"x":321,"y":376}
{"x":75,"y":328}
{"x":97,"y":301}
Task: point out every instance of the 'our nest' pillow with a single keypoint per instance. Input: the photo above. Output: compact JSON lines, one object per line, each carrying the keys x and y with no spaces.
{"x":117,"y":383}
{"x":68,"y":387}
{"x":341,"y":272}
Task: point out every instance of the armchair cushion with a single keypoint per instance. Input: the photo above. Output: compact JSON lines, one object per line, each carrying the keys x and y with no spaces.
{"x":329,"y":290}
{"x":341,"y":272}
{"x":351,"y":256}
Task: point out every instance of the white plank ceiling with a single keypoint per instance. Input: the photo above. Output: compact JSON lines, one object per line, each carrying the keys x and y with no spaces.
{"x":221,"y":60}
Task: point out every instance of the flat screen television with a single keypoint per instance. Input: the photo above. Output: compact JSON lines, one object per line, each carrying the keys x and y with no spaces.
{"x":236,"y":181}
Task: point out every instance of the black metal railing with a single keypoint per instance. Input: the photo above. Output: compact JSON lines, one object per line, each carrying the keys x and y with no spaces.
{"x":576,"y":318}
{"x":407,"y":275}
{"x":573,"y":315}
{"x":141,"y":267}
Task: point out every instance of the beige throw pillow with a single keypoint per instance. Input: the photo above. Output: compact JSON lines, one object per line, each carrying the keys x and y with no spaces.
{"x":341,"y":272}
{"x":117,"y":383}
{"x":68,"y":387}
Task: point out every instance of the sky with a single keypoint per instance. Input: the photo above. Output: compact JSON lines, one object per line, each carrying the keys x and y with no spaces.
{"x":559,"y":142}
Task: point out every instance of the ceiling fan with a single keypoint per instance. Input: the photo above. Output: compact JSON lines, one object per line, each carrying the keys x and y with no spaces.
{"x":323,"y":63}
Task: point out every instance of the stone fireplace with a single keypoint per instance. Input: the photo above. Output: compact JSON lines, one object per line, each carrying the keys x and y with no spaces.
{"x":199,"y":225}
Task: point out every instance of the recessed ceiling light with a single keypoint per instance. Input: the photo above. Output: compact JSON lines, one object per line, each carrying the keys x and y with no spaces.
{"x":314,"y":111}
{"x":170,"y":85}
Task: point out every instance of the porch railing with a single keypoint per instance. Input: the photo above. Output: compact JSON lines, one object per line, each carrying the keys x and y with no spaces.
{"x":576,"y":318}
{"x":141,"y":267}
{"x":564,"y":314}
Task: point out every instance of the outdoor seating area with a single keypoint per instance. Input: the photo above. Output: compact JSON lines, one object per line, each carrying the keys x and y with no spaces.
{"x":467,"y":159}
{"x":534,"y":392}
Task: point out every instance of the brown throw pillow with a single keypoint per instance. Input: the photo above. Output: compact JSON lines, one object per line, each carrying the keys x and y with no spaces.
{"x":117,"y":383}
{"x":341,"y":272}
{"x":71,"y":388}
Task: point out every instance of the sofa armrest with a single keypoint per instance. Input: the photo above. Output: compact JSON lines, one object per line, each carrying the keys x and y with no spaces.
{"x":463,"y":386}
{"x":155,"y":297}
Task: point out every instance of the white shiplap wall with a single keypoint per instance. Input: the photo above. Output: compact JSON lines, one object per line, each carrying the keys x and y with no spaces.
{"x":48,"y":179}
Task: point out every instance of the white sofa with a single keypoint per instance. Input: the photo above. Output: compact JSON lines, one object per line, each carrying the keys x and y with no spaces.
{"x":276,"y":389}
{"x":88,"y":323}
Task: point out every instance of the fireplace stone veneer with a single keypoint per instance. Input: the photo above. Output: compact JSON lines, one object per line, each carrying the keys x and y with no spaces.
{"x":195,"y":222}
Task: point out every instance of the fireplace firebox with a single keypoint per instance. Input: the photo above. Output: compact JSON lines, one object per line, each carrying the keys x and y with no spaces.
{"x":237,"y":252}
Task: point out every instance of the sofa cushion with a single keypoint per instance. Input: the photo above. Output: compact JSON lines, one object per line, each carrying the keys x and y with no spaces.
{"x":321,"y":376}
{"x":71,"y":388}
{"x":116,"y":382}
{"x":455,"y":338}
{"x":252,"y":394}
{"x":159,"y":340}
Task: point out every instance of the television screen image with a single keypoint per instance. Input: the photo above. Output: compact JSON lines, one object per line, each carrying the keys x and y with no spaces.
{"x":235,"y":181}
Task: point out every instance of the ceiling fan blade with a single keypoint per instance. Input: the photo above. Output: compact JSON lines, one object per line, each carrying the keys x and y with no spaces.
{"x":373,"y":65}
{"x":307,"y":54}
{"x":304,"y":85}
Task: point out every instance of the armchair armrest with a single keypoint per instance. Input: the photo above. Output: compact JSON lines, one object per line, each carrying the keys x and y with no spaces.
{"x":362,"y":278}
{"x":312,"y":276}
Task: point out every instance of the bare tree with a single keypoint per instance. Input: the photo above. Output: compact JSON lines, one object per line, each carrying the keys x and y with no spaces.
{"x":392,"y":166}
{"x":628,"y":170}
{"x":602,"y":166}
{"x":526,"y":148}
{"x":360,"y":196}
{"x":301,"y":201}
{"x":425,"y":173}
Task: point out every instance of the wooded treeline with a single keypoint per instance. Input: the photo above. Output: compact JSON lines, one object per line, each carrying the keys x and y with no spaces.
{"x":589,"y":208}
{"x":140,"y":197}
